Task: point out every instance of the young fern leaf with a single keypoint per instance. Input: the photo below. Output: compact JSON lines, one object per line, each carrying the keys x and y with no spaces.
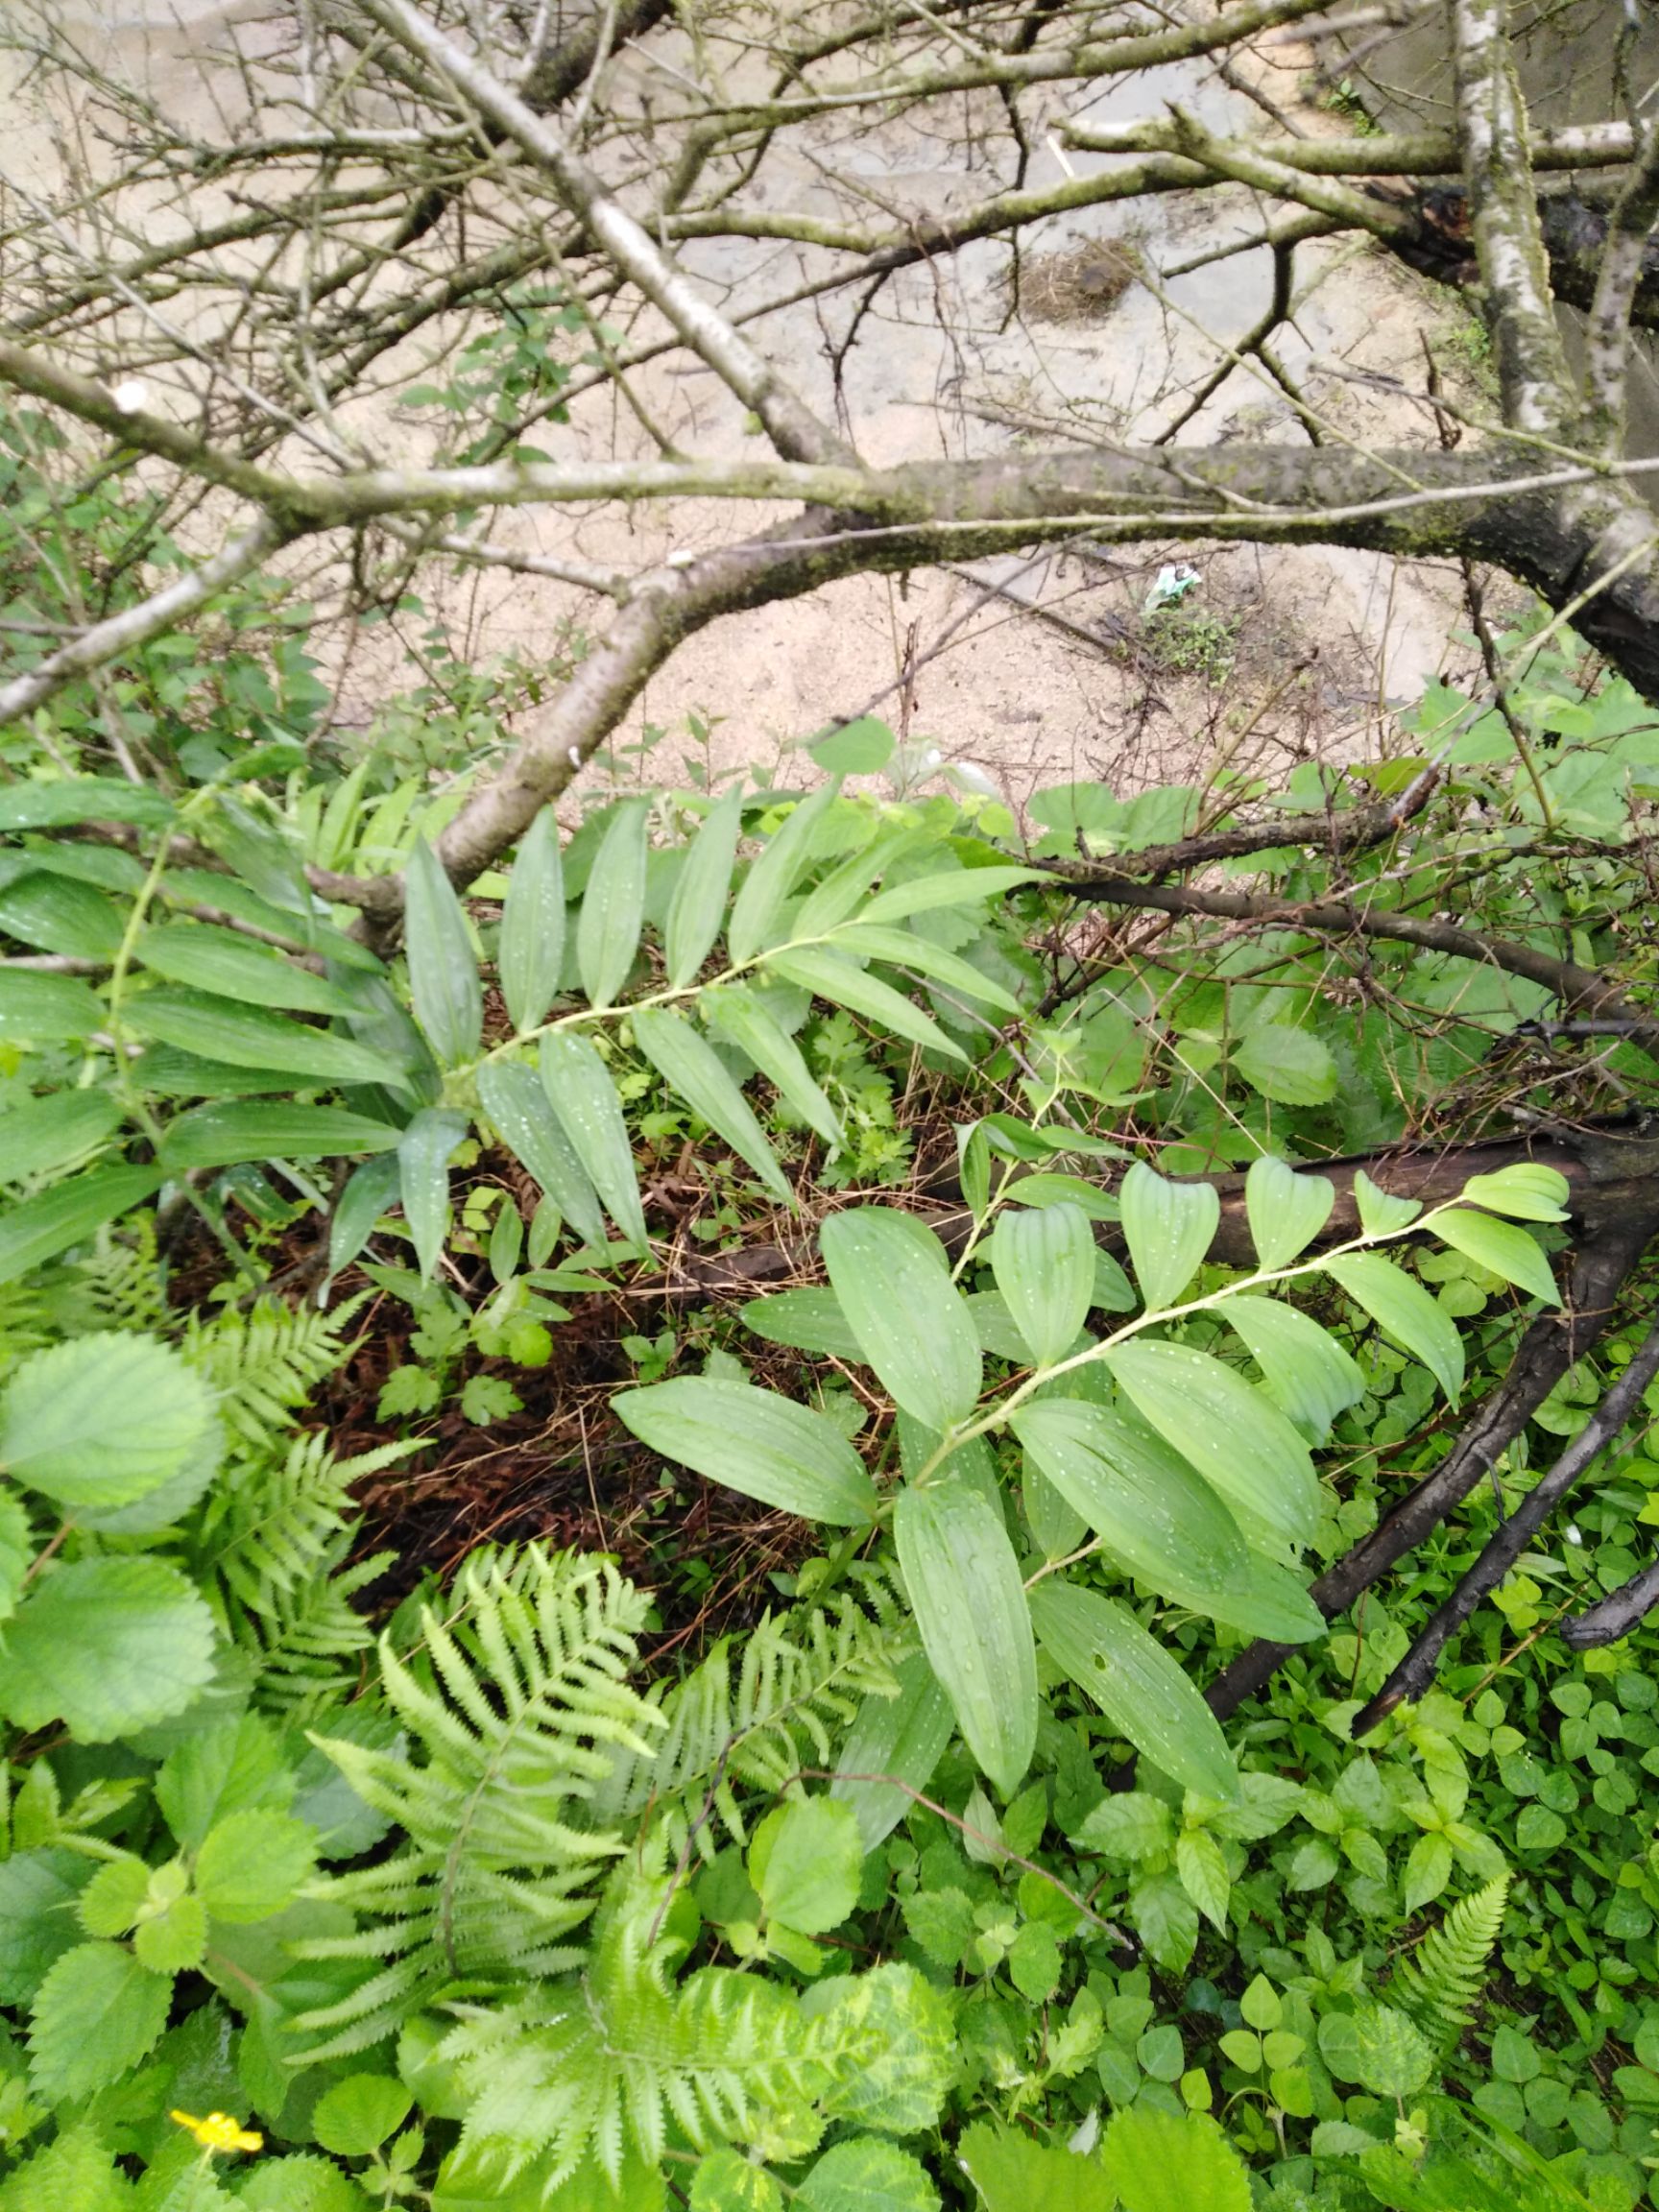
{"x":308,"y":1642}
{"x":266,"y":1363}
{"x":526,"y":1702}
{"x":800,"y":1681}
{"x":1439,"y":1985}
{"x":273,"y":1524}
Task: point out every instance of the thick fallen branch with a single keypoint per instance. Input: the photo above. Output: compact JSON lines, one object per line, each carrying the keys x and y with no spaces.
{"x":1616,"y":1615}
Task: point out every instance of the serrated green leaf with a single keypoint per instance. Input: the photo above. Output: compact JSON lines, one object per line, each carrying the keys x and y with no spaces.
{"x":253,"y":1036}
{"x":233,"y":967}
{"x":530,"y":956}
{"x":424,"y":1150}
{"x":1202,"y":1867}
{"x":108,"y":1646}
{"x":43,"y":1009}
{"x":443,"y":980}
{"x":42,"y":1227}
{"x":1131,"y":1825}
{"x":805,"y":1862}
{"x":689,"y":1065}
{"x":760,"y":903}
{"x":579,"y":1089}
{"x":1044,"y":1261}
{"x":1012,"y":2173}
{"x":612,"y":907}
{"x":755,"y":1442}
{"x":1526,"y":1191}
{"x":1134,"y":1682}
{"x":808,"y":1320}
{"x":726,"y":2182}
{"x":252,"y":1865}
{"x":235,"y":1766}
{"x":886,"y":1268}
{"x":1499,"y":1247}
{"x":1306,"y":1373}
{"x":1172,"y":2162}
{"x":354,"y":2117}
{"x":902,"y":1738}
{"x":1392,"y":2056}
{"x":827,"y":976}
{"x":1380,"y":1214}
{"x":97,"y":2014}
{"x":38,"y":1891}
{"x":1286,"y":1211}
{"x":1287,"y":1064}
{"x":175,"y":1941}
{"x":698,"y":906}
{"x":516,"y":1101}
{"x":1154,"y":1515}
{"x":741,"y":1017}
{"x":970,"y":1605}
{"x":866,"y":2174}
{"x":1403,"y":1310}
{"x":1168,"y":1228}
{"x":103,"y":1420}
{"x":1233,"y":1434}
{"x":219,"y":1136}
{"x":861,"y":747}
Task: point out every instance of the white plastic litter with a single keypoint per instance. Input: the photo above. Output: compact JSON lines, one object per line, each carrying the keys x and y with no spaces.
{"x":1174,"y":583}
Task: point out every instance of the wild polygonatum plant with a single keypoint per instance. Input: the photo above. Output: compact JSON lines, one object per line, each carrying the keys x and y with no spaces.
{"x":1185,"y":1464}
{"x":235,"y":987}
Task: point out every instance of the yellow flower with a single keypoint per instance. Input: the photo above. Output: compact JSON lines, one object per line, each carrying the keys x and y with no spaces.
{"x":219,"y":2132}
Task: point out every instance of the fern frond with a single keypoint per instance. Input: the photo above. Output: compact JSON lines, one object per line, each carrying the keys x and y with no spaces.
{"x":1439,"y":1985}
{"x":309,"y":1641}
{"x":799,"y":1682}
{"x":265,"y":1364}
{"x":271,"y":1525}
{"x":515,"y":1716}
{"x":120,"y":1281}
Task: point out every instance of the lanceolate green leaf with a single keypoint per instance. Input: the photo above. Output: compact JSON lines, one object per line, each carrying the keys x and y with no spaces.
{"x":612,"y":906}
{"x":1235,"y":1437}
{"x":531,"y":956}
{"x":954,"y":887}
{"x":581,"y":1095}
{"x":1135,"y":1683}
{"x":218,"y":960}
{"x":1264,"y":1599}
{"x":904,"y":1737}
{"x":689,"y":1065}
{"x":370,"y":1191}
{"x":741,"y":1017}
{"x":758,"y":905}
{"x":444,"y":980}
{"x":250,"y":1036}
{"x":424,"y":1153}
{"x":1499,"y":1246}
{"x":893,"y":1282}
{"x":1168,"y":1228}
{"x":1044,"y":1261}
{"x":809,"y":1320}
{"x":755,"y":1442}
{"x":514,"y":1098}
{"x":965,"y":1587}
{"x":827,"y":976}
{"x":36,"y":1009}
{"x":1152,"y":1512}
{"x":219,"y":1136}
{"x":1286,"y":1211}
{"x":46,"y":1133}
{"x":903,"y":948}
{"x":839,"y":894}
{"x":1404,"y":1310}
{"x":1308,"y":1374}
{"x":42,"y":1227}
{"x":698,"y":906}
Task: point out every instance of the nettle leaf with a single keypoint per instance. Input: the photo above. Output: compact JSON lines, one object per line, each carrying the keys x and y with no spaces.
{"x":1168,"y":1228}
{"x":805,"y":1862}
{"x":111,"y":1646}
{"x":1154,"y":1514}
{"x":1132,"y":1825}
{"x":866,"y":2174}
{"x":613,"y":905}
{"x":530,"y":957}
{"x":1526,"y":1191}
{"x":698,"y":906}
{"x":1013,"y":2173}
{"x":424,"y":1150}
{"x":758,"y":907}
{"x":97,"y":2014}
{"x":517,"y":1103}
{"x":965,"y":1589}
{"x":1287,"y":1064}
{"x":1044,"y":1261}
{"x":1286,"y":1211}
{"x":1403,"y":1310}
{"x":103,"y":1420}
{"x":861,"y":747}
{"x":1308,"y":1375}
{"x":252,"y":1865}
{"x":355,"y":2116}
{"x":581,"y":1095}
{"x":902,"y":1738}
{"x":1381,"y":1213}
{"x":1233,"y":1434}
{"x":42,"y":1227}
{"x":1139,"y":1688}
{"x":741,"y":1017}
{"x":1172,"y":2162}
{"x":724,"y":2182}
{"x":893,"y":1281}
{"x":1499,"y":1247}
{"x":755,"y":1442}
{"x":690,"y":1066}
{"x":443,"y":980}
